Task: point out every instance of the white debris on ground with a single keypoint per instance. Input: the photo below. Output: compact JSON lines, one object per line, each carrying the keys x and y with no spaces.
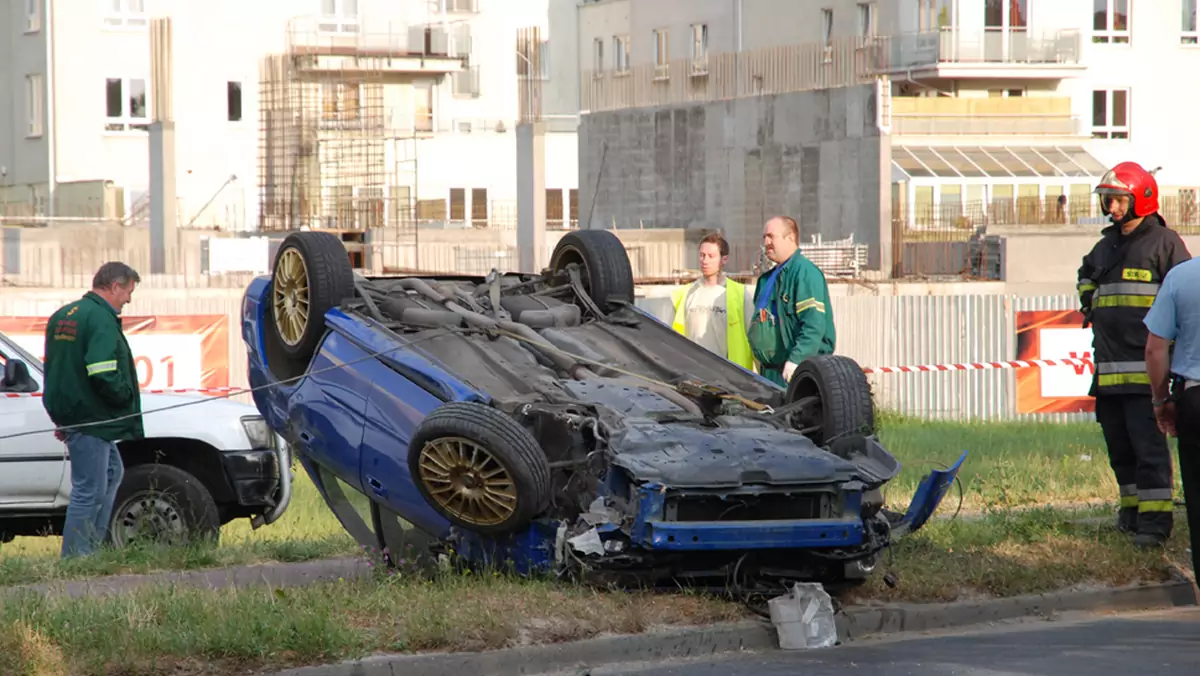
{"x":804,"y":618}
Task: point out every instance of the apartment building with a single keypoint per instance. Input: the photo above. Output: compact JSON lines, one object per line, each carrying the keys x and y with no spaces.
{"x":996,"y":106}
{"x":412,"y":102}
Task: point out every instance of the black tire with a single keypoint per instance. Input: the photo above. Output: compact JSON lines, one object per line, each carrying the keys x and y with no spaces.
{"x":329,"y":279}
{"x":605,"y":270}
{"x":843,"y":405}
{"x":171,"y":503}
{"x":510,"y":447}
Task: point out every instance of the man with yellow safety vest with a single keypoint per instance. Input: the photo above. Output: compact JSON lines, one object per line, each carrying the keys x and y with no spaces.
{"x":714,"y":311}
{"x":1118,"y":281}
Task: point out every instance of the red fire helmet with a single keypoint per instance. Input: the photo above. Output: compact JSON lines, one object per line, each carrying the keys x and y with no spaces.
{"x":1132,"y":179}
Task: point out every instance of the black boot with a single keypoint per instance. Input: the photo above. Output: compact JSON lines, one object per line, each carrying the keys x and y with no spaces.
{"x":1149,"y":540}
{"x":1127,"y":520}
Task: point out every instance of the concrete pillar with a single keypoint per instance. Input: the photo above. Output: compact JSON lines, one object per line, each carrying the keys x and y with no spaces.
{"x":531,"y":196}
{"x":889,"y":250}
{"x":164,"y":207}
{"x":164,"y":212}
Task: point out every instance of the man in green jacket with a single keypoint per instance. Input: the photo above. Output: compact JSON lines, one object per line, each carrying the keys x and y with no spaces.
{"x":792,"y":319}
{"x":92,"y":395}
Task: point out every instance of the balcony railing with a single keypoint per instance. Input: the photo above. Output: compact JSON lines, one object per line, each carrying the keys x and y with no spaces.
{"x":320,"y":35}
{"x":1014,"y":47}
{"x":716,"y":77}
{"x":987,"y":125}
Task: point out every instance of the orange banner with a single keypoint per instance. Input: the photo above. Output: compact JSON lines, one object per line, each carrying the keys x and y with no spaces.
{"x":1054,"y":334}
{"x":180,"y":351}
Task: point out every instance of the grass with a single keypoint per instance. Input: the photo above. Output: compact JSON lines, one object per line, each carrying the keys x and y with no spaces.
{"x":1010,"y":465}
{"x":189,"y":631}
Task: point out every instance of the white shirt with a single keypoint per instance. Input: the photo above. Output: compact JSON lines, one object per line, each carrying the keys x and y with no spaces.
{"x":705,"y":318}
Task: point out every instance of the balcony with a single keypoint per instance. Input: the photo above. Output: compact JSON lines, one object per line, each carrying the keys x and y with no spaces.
{"x":1029,"y":117}
{"x":986,"y":53}
{"x":321,"y":44}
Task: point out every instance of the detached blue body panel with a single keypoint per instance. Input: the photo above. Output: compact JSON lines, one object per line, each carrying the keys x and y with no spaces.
{"x":352,"y":412}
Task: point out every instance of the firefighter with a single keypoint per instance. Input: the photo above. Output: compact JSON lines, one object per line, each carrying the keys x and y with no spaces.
{"x":1118,"y":281}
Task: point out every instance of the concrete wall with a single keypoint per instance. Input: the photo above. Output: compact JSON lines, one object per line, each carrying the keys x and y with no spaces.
{"x":1047,"y":262}
{"x":813,"y":155}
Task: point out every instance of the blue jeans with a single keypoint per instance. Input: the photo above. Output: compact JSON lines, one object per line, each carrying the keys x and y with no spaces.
{"x":96,"y":472}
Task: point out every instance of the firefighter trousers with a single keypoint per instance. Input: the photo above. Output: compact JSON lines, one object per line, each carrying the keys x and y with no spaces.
{"x":1141,"y":459}
{"x":1187,"y":425}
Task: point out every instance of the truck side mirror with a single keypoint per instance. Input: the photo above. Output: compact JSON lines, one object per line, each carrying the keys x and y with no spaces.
{"x":17,"y":378}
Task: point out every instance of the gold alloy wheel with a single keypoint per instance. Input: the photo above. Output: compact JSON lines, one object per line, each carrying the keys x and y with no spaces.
{"x":468,"y":481}
{"x":291,"y":296}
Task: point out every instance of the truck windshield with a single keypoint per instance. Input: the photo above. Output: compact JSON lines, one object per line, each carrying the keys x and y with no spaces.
{"x":10,"y":346}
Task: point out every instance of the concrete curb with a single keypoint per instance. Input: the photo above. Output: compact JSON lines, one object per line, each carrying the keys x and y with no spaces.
{"x":853,"y":624}
{"x":256,"y":575}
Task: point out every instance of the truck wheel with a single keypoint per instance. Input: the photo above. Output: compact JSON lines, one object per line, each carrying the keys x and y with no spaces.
{"x":312,"y":275}
{"x":162,"y":504}
{"x":604,"y":266}
{"x":479,"y":468}
{"x":839,"y":399}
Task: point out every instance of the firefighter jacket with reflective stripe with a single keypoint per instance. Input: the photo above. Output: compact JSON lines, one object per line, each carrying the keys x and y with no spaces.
{"x":1118,"y":281}
{"x":737,"y":346}
{"x":90,"y":373}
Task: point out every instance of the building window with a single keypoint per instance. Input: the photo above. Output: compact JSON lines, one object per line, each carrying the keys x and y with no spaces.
{"x":479,"y":207}
{"x":1110,"y":113}
{"x":423,"y":107}
{"x":699,"y":41}
{"x":598,"y":55}
{"x":662,"y":48}
{"x":827,"y":27}
{"x":33,"y":16}
{"x":34,"y":108}
{"x":126,"y":13}
{"x":339,"y":16}
{"x":1189,"y":26}
{"x":866,"y":19}
{"x":462,"y":6}
{"x":621,"y":54}
{"x":233,"y":101}
{"x":1110,"y":21}
{"x":458,"y":204}
{"x":125,"y":106}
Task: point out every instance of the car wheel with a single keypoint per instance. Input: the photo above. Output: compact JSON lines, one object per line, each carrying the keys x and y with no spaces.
{"x":479,"y":468}
{"x":312,"y":274}
{"x":162,"y":504}
{"x":604,"y":266}
{"x":838,"y":399}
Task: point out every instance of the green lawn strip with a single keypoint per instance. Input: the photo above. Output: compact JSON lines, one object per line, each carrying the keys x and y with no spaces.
{"x":1010,"y":465}
{"x":183,"y":631}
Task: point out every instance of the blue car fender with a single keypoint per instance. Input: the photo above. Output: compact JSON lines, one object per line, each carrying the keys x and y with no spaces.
{"x":927,"y":498}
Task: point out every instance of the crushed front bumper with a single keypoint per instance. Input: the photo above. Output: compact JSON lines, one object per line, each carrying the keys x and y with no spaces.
{"x":650,"y":531}
{"x":261,"y":478}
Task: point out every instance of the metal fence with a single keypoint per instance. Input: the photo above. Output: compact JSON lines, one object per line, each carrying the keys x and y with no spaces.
{"x":874,"y":330}
{"x":914,"y":330}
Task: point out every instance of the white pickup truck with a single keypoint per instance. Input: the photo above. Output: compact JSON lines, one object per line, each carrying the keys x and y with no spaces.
{"x":199,"y":467}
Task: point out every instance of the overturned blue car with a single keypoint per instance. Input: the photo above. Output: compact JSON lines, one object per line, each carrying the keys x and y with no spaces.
{"x":543,"y":423}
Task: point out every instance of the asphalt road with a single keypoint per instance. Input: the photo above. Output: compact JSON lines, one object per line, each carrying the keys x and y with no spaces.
{"x":1162,"y":644}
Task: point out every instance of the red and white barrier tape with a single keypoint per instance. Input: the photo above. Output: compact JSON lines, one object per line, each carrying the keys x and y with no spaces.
{"x":921,"y":368}
{"x":178,"y":390}
{"x":980,"y":366}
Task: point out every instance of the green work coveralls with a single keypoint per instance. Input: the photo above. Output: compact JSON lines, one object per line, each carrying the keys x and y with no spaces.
{"x":792,"y":319}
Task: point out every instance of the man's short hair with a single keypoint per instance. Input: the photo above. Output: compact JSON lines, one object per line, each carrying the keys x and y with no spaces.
{"x":715,"y":238}
{"x":114,"y":272}
{"x":792,"y":225}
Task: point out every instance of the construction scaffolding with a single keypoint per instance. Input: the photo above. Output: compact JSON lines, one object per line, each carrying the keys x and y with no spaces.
{"x":332,"y":156}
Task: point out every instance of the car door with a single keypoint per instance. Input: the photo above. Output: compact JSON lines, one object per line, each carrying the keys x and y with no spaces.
{"x":32,"y":466}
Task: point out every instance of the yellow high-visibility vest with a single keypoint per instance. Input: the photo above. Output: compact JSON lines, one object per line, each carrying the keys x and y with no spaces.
{"x":737,"y":346}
